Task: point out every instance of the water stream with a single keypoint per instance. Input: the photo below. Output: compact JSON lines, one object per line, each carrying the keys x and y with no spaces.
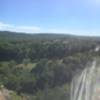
{"x":86,"y":86}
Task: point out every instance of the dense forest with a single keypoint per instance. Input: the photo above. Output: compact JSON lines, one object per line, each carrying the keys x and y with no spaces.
{"x":41,"y":66}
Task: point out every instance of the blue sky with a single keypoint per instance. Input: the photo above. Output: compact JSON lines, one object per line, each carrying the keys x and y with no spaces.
{"x":81,"y":17}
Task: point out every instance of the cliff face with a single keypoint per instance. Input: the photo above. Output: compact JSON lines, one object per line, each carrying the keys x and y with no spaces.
{"x":2,"y":97}
{"x":5,"y":94}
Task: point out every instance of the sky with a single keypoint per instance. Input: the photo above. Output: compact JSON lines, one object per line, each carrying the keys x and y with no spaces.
{"x":79,"y":17}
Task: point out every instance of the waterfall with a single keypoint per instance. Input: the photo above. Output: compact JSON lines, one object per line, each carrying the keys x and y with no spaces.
{"x":86,"y":86}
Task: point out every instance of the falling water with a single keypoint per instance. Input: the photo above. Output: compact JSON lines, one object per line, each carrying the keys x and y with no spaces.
{"x":86,"y":86}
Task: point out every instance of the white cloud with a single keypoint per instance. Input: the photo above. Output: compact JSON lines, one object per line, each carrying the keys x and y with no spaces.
{"x":22,"y":28}
{"x":30,"y":29}
{"x":35,"y":29}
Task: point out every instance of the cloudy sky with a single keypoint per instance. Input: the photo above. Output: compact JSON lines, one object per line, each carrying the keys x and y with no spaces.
{"x":81,"y":17}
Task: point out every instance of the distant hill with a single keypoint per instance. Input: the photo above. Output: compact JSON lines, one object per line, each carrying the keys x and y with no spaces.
{"x":41,"y":66}
{"x":50,"y":36}
{"x":43,"y":45}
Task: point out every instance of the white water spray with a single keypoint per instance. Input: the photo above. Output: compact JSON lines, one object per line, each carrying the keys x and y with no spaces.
{"x":86,"y":86}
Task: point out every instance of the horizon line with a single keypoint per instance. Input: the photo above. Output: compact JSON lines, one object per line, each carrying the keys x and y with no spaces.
{"x":49,"y":33}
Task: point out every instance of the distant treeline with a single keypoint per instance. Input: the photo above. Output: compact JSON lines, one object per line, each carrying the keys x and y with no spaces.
{"x":37,"y":46}
{"x":43,"y":65}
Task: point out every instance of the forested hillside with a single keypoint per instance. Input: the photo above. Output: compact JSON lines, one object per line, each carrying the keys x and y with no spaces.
{"x":41,"y":66}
